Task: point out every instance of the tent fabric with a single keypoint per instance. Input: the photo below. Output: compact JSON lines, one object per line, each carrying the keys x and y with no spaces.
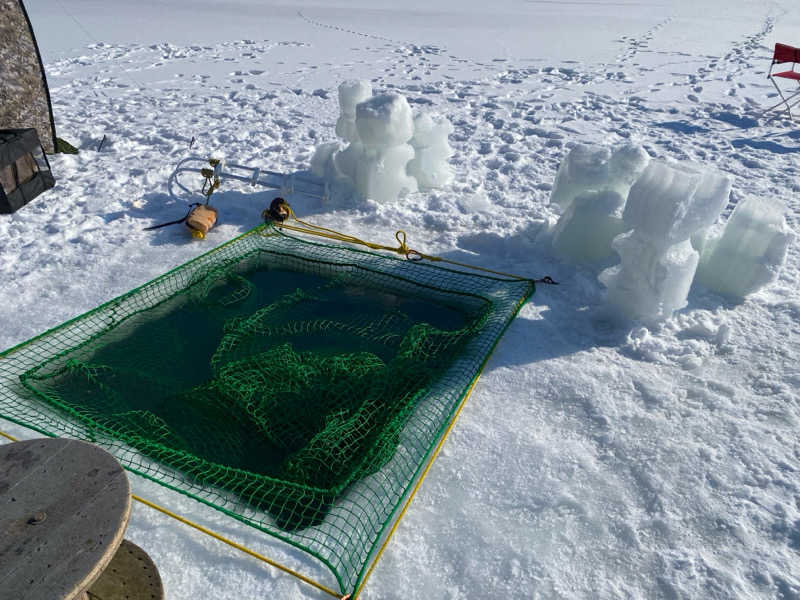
{"x":24,"y":169}
{"x":24,"y":95}
{"x":24,"y":193}
{"x":14,"y":143}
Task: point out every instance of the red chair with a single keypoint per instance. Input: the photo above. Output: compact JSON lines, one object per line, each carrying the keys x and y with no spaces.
{"x":785,"y":54}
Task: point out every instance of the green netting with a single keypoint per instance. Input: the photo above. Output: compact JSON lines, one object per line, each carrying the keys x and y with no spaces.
{"x":299,"y":387}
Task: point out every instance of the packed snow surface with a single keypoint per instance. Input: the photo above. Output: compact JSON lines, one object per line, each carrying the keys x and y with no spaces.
{"x":598,"y":457}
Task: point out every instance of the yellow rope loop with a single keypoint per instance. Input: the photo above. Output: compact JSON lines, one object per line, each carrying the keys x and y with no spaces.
{"x":400,"y":236}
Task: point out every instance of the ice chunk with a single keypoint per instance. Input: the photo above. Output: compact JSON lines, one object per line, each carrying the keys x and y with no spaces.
{"x":624,"y":167}
{"x":351,"y":92}
{"x":432,"y":151}
{"x":750,"y":252}
{"x":650,"y":283}
{"x":321,"y":160}
{"x":596,"y":168}
{"x":376,"y":161}
{"x":585,"y":231}
{"x":384,"y":121}
{"x":584,"y":168}
{"x":381,"y":175}
{"x":347,"y":161}
{"x":669,"y":203}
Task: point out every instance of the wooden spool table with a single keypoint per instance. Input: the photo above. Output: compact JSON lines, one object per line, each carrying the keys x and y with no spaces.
{"x":64,"y":508}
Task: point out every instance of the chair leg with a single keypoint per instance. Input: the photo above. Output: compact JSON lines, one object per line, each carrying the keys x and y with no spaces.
{"x":784,"y":101}
{"x":795,"y":103}
{"x":780,"y":93}
{"x":788,"y":105}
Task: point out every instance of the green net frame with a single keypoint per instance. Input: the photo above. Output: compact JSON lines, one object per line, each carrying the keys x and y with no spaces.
{"x":318,"y":409}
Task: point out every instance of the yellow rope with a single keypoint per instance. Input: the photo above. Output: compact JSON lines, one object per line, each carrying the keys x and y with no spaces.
{"x":416,"y":487}
{"x":295,"y":573}
{"x":400,"y":236}
{"x":8,"y":436}
{"x":403,"y":249}
{"x":221,"y":538}
{"x":233,"y":544}
{"x":422,"y":476}
{"x":468,"y":266}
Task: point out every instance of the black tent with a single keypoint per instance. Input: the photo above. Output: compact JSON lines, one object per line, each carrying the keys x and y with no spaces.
{"x":24,"y":169}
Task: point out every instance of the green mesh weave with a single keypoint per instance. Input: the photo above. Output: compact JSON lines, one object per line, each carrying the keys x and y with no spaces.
{"x":299,"y":387}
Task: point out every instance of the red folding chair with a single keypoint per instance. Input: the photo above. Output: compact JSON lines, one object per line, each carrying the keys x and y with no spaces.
{"x":785,"y":54}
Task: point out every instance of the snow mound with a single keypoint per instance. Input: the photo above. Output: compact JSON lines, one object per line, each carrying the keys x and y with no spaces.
{"x":749,"y":253}
{"x":390,"y":151}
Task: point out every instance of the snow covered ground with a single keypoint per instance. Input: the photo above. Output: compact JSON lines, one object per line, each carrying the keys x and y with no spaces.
{"x":595,"y":459}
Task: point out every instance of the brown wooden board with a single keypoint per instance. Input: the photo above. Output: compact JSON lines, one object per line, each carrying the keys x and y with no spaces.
{"x":64,"y":508}
{"x":131,"y":575}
